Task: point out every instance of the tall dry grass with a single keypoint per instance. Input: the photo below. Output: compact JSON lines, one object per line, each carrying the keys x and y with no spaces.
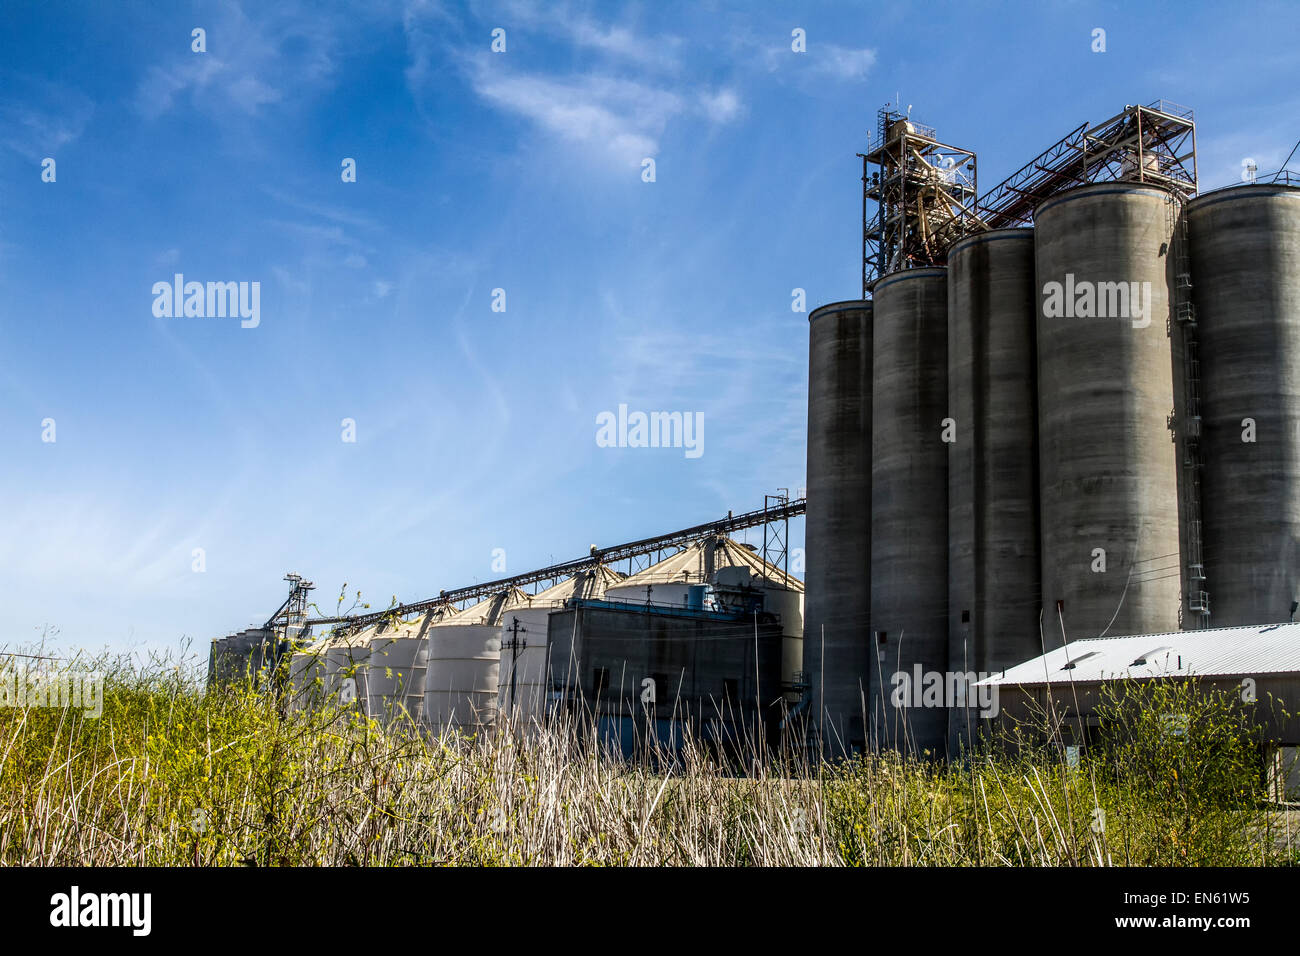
{"x":173,"y":776}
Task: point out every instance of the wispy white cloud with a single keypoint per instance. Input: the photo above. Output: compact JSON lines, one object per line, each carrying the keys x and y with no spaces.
{"x":624,"y":44}
{"x":199,"y":74}
{"x":618,"y":110}
{"x":621,"y":118}
{"x":618,"y":42}
{"x":840,"y":62}
{"x":426,"y":24}
{"x":624,"y":120}
{"x":823,"y":59}
{"x":333,"y":213}
{"x":288,"y":281}
{"x":38,"y":117}
{"x":248,"y":64}
{"x":315,"y":232}
{"x":721,"y":106}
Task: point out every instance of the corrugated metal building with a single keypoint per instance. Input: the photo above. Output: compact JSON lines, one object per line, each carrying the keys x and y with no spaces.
{"x":702,"y":576}
{"x":524,"y":679}
{"x":643,"y":674}
{"x":1260,"y":664}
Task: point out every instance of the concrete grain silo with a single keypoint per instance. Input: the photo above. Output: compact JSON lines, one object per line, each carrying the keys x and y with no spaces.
{"x":993,"y":559}
{"x":1245,"y":264}
{"x":837,"y":536}
{"x":1108,"y":468}
{"x":909,"y":506}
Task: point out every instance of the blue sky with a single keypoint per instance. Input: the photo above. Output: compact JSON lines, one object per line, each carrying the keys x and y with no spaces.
{"x":476,"y":170}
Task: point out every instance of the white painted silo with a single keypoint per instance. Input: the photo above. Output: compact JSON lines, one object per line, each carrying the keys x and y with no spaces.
{"x":460,"y":685}
{"x":525,"y":698}
{"x":787,"y":603}
{"x":345,"y":658}
{"x":395,"y":670}
{"x":306,"y":677}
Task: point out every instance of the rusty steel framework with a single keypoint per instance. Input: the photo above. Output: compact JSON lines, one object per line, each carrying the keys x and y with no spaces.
{"x":924,"y":193}
{"x":924,"y":190}
{"x":1148,"y":144}
{"x":771,"y":514}
{"x":290,"y":619}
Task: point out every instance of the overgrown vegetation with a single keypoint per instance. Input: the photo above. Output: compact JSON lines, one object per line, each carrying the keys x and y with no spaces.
{"x":170,"y":775}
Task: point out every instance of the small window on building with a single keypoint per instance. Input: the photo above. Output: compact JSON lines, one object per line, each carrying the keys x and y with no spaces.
{"x":599,"y":680}
{"x":731,"y":689}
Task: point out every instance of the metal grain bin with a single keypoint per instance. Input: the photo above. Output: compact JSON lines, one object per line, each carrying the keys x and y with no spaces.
{"x":306,"y":678}
{"x":462,"y":677}
{"x":395,"y":669}
{"x":345,"y":658}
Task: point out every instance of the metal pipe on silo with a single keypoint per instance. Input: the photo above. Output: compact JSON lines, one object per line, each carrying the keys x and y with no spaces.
{"x":1108,"y":470}
{"x":1245,"y":267}
{"x":909,"y":508}
{"x":837,"y":537}
{"x":993,"y":556}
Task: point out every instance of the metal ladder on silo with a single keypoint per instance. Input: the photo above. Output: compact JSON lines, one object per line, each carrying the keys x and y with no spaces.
{"x":1198,"y":598}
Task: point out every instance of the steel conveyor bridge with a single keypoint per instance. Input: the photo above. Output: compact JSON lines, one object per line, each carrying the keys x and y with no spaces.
{"x":781,"y":511}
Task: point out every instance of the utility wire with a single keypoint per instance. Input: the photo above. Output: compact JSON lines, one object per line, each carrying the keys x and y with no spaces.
{"x":1288,"y":159}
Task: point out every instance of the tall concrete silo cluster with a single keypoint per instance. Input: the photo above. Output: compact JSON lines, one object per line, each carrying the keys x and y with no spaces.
{"x":1088,"y":427}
